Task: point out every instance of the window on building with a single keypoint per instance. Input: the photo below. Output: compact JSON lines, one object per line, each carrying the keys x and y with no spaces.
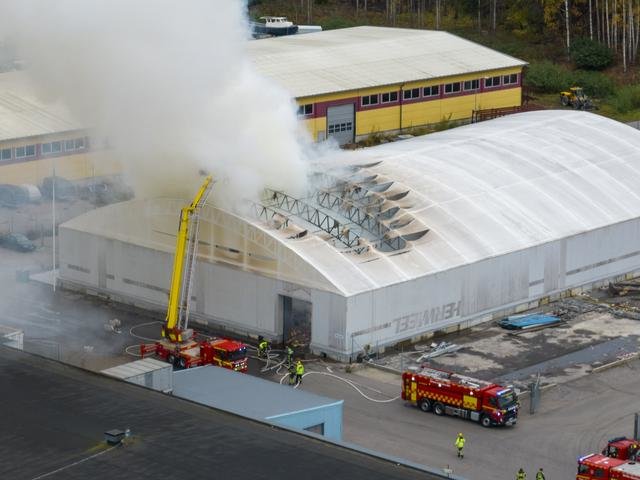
{"x":411,"y":93}
{"x":432,"y":91}
{"x":370,"y":100}
{"x":5,"y":154}
{"x":510,"y":79}
{"x":492,"y":82}
{"x":51,"y":147}
{"x":305,"y":109}
{"x":452,"y":88}
{"x":69,"y":145}
{"x":472,"y":85}
{"x":389,"y":97}
{"x":26,"y":151}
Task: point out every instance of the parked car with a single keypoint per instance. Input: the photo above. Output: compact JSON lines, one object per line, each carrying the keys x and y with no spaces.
{"x":17,"y":241}
{"x":65,"y":190}
{"x":105,"y":192}
{"x":13,"y":196}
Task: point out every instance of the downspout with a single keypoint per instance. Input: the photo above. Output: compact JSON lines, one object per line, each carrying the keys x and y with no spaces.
{"x":401,"y":100}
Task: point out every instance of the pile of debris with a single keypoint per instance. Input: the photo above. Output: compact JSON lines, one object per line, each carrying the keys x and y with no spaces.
{"x":437,"y":349}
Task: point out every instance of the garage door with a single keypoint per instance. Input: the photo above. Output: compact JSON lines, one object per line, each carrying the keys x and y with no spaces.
{"x":341,"y":123}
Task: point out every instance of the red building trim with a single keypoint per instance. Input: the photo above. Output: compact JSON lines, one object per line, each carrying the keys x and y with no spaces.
{"x":320,"y":108}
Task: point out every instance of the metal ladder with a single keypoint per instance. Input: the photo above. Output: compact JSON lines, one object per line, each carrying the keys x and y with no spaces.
{"x":190,"y":261}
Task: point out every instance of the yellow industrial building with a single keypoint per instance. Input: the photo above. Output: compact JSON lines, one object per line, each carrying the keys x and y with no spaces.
{"x":36,"y":136}
{"x":353,"y":82}
{"x":348,"y":84}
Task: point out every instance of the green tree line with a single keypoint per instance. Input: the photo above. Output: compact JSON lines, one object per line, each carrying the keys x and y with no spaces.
{"x":614,"y":24}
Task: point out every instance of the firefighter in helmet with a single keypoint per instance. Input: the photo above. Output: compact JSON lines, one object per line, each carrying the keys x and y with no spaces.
{"x":292,"y":374}
{"x":289,"y":353}
{"x":540,"y":474}
{"x":299,"y":371}
{"x":460,"y":441}
{"x":521,"y":475}
{"x":263,"y":346}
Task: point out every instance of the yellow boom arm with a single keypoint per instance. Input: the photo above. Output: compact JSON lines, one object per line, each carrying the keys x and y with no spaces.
{"x":186,"y":243}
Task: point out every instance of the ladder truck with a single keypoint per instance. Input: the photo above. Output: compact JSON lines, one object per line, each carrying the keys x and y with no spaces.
{"x":180,"y":345}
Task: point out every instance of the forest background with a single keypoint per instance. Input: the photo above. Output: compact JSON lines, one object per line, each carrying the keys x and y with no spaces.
{"x":587,"y":43}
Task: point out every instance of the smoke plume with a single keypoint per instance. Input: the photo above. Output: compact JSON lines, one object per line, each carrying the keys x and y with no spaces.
{"x":169,"y":84}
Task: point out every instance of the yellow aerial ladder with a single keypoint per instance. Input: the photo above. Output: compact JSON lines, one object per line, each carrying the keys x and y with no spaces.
{"x":179,"y":345}
{"x":176,"y":325}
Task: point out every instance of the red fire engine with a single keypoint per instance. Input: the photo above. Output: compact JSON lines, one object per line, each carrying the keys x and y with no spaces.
{"x":623,"y":448}
{"x":222,"y":352}
{"x":448,"y":393}
{"x":596,"y":467}
{"x":179,"y":345}
{"x":601,"y":467}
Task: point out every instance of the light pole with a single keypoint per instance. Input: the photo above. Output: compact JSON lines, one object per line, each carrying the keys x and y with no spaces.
{"x":53,"y":221}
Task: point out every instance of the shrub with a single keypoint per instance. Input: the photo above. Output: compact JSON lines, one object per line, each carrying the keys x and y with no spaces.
{"x":595,"y":84}
{"x":547,"y":77}
{"x":445,"y":124}
{"x":337,"y":22}
{"x":590,"y":55}
{"x":626,"y":99}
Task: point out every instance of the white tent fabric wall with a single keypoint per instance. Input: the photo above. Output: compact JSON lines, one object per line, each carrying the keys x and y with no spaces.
{"x":516,"y":208}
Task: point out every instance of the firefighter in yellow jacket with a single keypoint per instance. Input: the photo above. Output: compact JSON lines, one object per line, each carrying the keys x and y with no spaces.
{"x":460,"y":445}
{"x":299,"y":371}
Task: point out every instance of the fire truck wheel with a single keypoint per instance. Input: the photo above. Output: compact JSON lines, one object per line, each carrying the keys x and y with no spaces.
{"x":485,"y":421}
{"x":182,"y":363}
{"x":438,"y":409}
{"x":171,"y":359}
{"x":425,"y":405}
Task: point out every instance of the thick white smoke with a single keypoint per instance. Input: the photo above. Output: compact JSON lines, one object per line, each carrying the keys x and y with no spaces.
{"x":169,"y":83}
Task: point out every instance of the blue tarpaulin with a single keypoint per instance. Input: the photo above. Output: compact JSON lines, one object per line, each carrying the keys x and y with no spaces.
{"x":516,"y":322}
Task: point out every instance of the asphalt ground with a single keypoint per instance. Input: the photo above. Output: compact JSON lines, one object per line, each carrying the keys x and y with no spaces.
{"x":575,"y":418}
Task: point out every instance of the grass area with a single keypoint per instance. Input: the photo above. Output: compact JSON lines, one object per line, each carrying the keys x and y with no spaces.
{"x":552,"y":101}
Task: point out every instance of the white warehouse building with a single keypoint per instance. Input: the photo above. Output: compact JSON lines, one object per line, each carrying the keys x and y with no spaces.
{"x":432,"y":233}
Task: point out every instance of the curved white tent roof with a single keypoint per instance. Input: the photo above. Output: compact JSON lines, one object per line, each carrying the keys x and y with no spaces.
{"x":481,"y":190}
{"x":495,"y":187}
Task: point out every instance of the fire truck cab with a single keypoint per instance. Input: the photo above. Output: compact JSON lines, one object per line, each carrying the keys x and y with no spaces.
{"x":622,"y":448}
{"x":596,"y":467}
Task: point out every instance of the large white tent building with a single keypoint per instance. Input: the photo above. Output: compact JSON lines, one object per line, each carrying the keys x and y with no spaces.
{"x":396,"y":241}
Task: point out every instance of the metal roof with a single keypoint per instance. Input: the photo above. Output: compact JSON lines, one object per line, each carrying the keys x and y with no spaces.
{"x":6,"y":331}
{"x":236,"y":392}
{"x":22,"y":114}
{"x":55,"y":416}
{"x":362,"y":57}
{"x":139,"y":367}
